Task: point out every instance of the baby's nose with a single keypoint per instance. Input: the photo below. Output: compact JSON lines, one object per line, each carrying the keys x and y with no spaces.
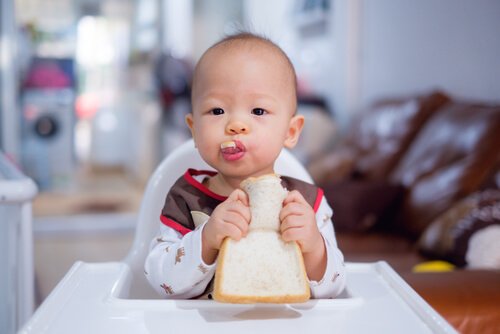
{"x":237,"y":127}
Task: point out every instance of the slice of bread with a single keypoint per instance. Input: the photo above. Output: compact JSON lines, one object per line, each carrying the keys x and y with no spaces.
{"x":261,"y":268}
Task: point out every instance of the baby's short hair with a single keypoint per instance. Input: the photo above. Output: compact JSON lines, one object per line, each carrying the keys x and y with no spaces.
{"x":247,"y":38}
{"x":251,"y":37}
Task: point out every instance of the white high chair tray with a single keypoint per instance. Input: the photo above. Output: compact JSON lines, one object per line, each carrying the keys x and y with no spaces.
{"x":92,"y":299}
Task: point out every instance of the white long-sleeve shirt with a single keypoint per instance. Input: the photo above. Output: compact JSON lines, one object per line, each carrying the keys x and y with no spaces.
{"x":175,"y":268}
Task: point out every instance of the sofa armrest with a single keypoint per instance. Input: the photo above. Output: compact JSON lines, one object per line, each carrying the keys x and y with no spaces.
{"x":335,"y":166}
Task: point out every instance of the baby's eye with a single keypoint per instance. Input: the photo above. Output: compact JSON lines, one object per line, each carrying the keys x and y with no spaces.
{"x":217,"y":111}
{"x":258,"y":111}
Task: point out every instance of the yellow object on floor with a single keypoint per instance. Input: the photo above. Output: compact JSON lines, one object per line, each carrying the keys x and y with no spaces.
{"x":433,"y":266}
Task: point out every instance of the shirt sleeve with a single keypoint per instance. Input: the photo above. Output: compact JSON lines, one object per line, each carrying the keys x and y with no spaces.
{"x":174,"y":266}
{"x":334,"y":279}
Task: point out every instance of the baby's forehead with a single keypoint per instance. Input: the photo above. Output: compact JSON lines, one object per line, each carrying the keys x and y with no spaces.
{"x":255,"y":47}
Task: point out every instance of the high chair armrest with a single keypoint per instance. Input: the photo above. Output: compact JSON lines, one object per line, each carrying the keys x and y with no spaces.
{"x":92,"y":298}
{"x":80,"y":295}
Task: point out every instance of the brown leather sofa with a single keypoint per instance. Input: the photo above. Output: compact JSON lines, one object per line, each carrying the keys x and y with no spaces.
{"x":400,"y":171}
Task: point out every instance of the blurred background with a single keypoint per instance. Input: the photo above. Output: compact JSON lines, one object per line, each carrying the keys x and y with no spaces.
{"x":94,"y":93}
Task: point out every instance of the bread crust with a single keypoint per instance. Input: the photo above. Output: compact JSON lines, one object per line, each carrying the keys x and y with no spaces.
{"x":251,"y":179}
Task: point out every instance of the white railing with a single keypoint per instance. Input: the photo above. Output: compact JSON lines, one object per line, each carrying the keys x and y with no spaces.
{"x":16,"y":247}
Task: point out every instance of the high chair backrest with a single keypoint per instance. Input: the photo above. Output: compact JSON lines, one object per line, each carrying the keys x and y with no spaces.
{"x":170,"y":169}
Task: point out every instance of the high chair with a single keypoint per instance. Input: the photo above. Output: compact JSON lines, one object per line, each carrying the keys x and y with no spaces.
{"x":114,"y":297}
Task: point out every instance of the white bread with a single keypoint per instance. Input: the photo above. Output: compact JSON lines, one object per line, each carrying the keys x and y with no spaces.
{"x":261,"y":268}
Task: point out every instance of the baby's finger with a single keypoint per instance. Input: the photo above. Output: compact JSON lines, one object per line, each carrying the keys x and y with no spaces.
{"x":292,"y":209}
{"x":233,"y":231}
{"x":291,"y":234}
{"x":291,"y":222}
{"x":241,"y":209}
{"x":294,"y":196}
{"x":238,"y":195}
{"x":234,"y":218}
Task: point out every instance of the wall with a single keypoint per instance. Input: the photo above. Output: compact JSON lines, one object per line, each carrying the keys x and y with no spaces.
{"x":213,"y":20}
{"x":177,"y":30}
{"x":344,"y":70}
{"x":409,"y":46}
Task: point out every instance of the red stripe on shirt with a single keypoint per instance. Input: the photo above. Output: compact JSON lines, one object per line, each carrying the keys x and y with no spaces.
{"x":192,"y":181}
{"x":175,"y":225}
{"x":317,"y":202}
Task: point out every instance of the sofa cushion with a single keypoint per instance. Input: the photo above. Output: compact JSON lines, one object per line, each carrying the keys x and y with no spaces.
{"x":376,"y":139}
{"x":359,"y":206}
{"x":448,"y":237}
{"x":451,"y":157}
{"x":383,"y":134}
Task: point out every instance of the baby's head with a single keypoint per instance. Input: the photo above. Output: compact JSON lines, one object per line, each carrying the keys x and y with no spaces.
{"x":240,"y":48}
{"x":244,"y":101}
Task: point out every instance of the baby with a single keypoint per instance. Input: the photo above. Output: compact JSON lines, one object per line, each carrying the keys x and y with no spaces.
{"x":244,"y":103}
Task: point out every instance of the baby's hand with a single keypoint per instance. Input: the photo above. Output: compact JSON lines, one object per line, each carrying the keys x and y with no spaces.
{"x":229,"y":219}
{"x":298,"y":223}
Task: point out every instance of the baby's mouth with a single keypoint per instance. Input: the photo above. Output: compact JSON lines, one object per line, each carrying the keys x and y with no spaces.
{"x":232,"y":150}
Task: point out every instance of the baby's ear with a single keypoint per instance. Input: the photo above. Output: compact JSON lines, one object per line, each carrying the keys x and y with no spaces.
{"x":189,"y":121}
{"x":294,"y":129}
{"x":190,"y":124}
